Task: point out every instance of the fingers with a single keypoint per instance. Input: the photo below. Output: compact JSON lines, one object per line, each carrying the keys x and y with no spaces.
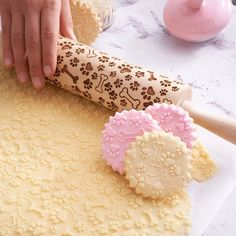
{"x":18,"y":46}
{"x":6,"y":39}
{"x":33,"y":35}
{"x":50,"y":24}
{"x":66,"y":24}
{"x":33,"y":48}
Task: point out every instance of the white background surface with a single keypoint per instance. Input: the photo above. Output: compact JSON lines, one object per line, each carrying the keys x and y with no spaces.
{"x":139,"y":37}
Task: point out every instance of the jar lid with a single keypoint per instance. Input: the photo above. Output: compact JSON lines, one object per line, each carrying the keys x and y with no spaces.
{"x":196,"y":20}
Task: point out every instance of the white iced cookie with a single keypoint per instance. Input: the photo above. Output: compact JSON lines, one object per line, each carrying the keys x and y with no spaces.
{"x":87,"y":24}
{"x":158,"y":164}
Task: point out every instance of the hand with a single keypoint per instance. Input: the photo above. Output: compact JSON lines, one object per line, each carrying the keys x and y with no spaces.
{"x":30,"y":30}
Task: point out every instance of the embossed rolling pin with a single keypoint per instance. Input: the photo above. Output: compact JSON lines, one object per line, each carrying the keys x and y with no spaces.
{"x":112,"y":82}
{"x":119,"y":85}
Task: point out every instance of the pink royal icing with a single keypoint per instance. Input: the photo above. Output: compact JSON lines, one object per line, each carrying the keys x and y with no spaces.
{"x":120,"y":131}
{"x":175,"y":120}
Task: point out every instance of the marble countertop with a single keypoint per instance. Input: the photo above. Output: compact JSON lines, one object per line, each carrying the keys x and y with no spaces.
{"x":138,"y":35}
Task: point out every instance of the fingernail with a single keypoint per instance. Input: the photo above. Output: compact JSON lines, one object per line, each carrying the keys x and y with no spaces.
{"x":47,"y":70}
{"x":37,"y":82}
{"x":8,"y":62}
{"x":23,"y":77}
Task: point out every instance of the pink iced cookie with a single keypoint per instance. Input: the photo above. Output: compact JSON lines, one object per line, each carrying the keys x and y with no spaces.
{"x":120,"y":131}
{"x":174,"y":119}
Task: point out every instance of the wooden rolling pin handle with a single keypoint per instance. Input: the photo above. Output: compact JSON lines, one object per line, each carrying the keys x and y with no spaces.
{"x":222,"y":126}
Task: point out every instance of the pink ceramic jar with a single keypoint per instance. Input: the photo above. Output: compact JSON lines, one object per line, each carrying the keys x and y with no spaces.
{"x":197,"y":20}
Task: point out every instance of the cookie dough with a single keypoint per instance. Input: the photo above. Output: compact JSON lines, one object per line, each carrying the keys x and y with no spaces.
{"x":176,"y":120}
{"x":53,"y":179}
{"x":157,"y":164}
{"x":203,"y":167}
{"x":87,"y":25}
{"x":120,"y":131}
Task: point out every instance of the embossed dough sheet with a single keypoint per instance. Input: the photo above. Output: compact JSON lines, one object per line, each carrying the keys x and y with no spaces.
{"x":54,"y":180}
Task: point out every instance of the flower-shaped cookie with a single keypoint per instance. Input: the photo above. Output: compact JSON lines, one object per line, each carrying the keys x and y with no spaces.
{"x":158,"y":164}
{"x":120,"y":131}
{"x":174,"y":119}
